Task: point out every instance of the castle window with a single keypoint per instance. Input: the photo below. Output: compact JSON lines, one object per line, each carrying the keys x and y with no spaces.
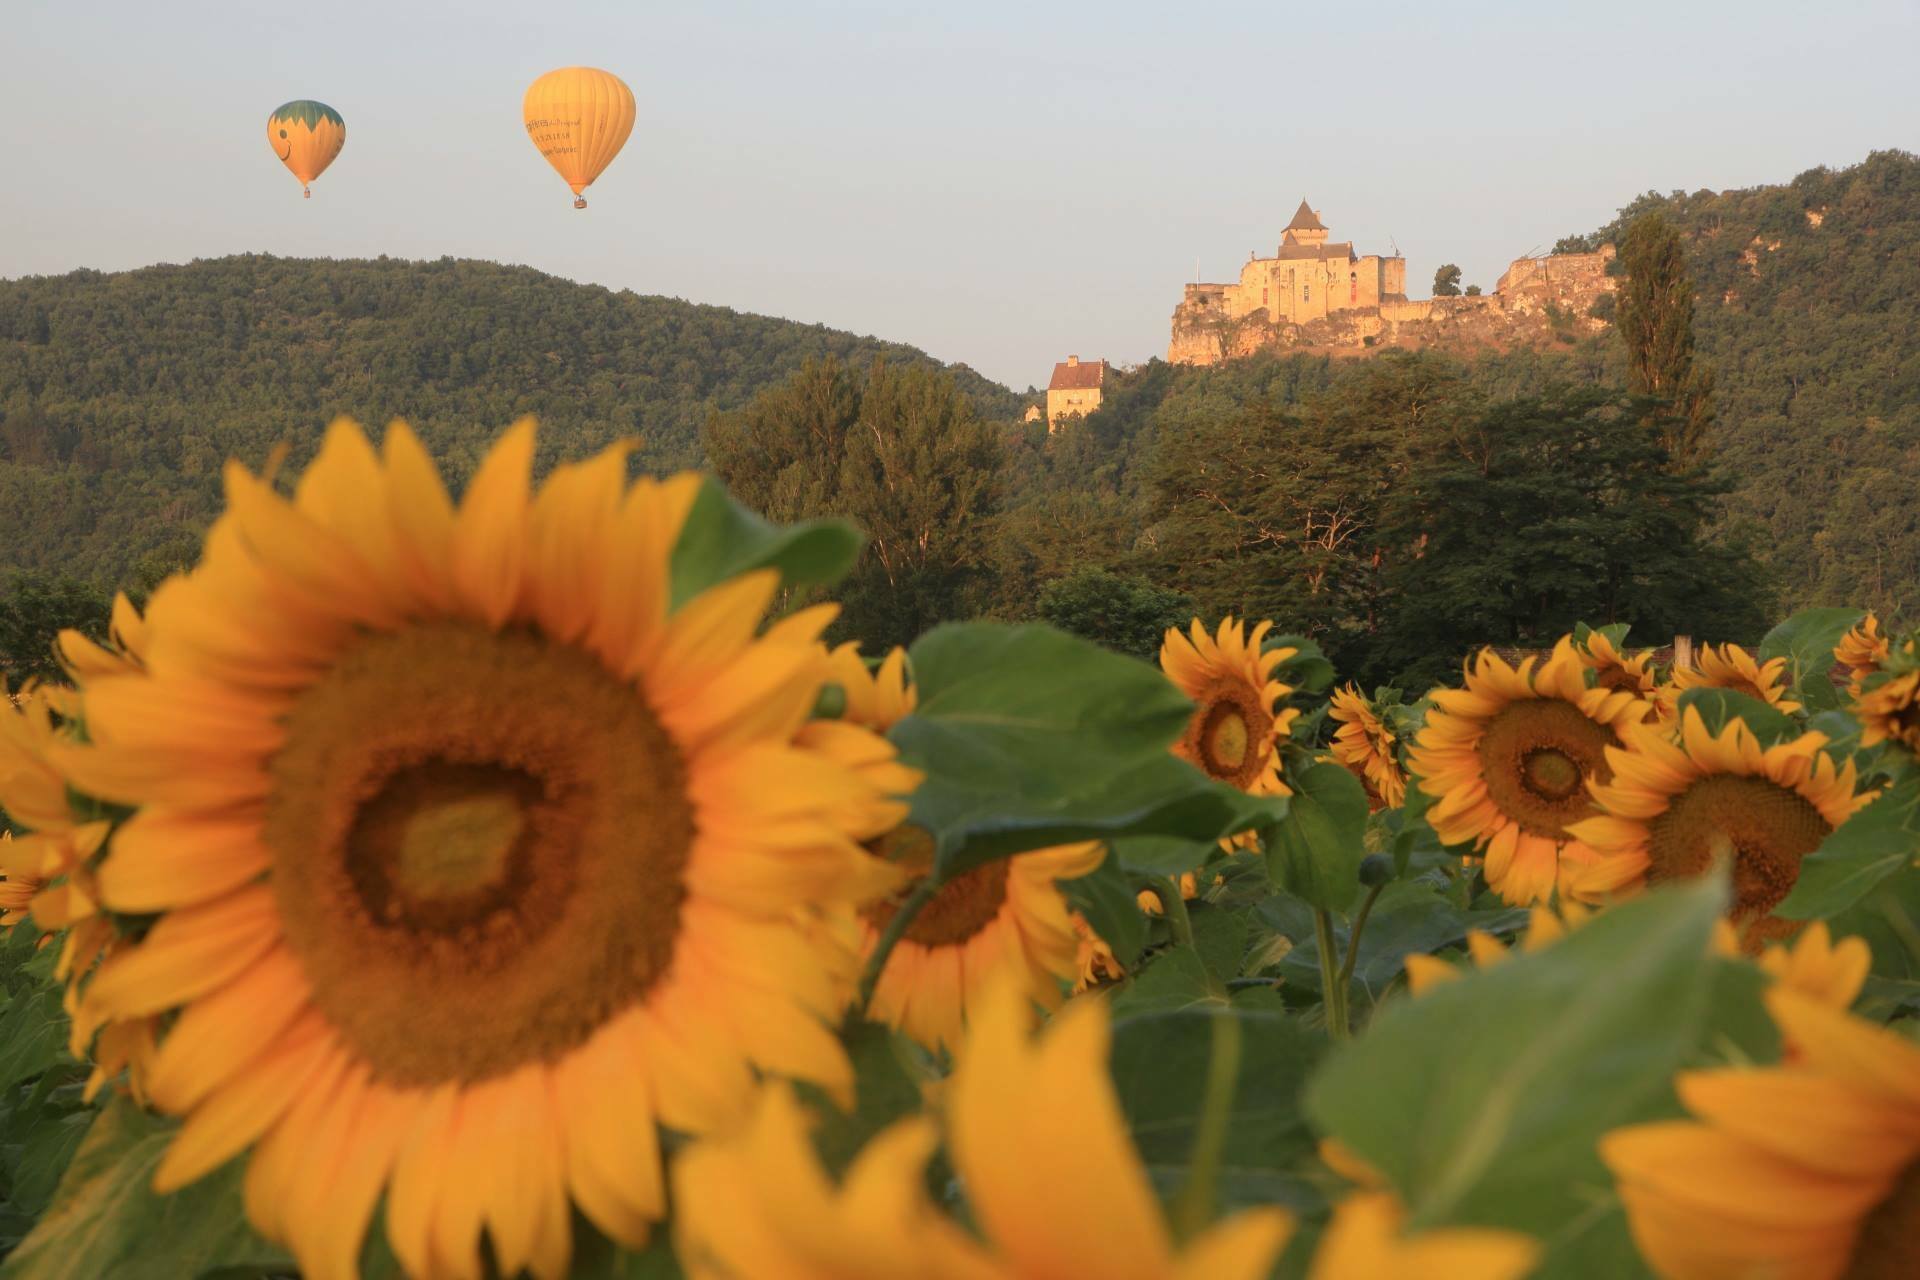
{"x":1306,"y":292}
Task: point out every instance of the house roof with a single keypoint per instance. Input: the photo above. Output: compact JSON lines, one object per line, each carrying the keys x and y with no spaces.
{"x":1084,"y":376}
{"x":1343,"y":249}
{"x":1305,"y":219}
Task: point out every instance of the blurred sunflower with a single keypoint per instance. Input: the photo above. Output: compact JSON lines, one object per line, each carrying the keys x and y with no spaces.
{"x":1809,"y":1169}
{"x":1620,"y":672}
{"x":1004,"y":916}
{"x":1889,"y":710}
{"x":1862,"y":651}
{"x":1676,"y":805}
{"x":1728,"y":666}
{"x":1367,"y":1240}
{"x":1545,"y":926}
{"x":85,"y":658}
{"x":1237,"y":726}
{"x":1038,"y":1140}
{"x":1508,"y":759}
{"x":1364,"y":743}
{"x":1189,"y":886}
{"x":1811,"y":964}
{"x":1095,"y":960}
{"x":470,"y":859}
{"x":49,"y":874}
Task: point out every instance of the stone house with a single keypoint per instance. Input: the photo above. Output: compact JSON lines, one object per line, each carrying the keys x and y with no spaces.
{"x":1076,"y":388}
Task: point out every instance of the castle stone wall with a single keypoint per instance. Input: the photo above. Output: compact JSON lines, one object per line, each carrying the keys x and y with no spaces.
{"x":1538,"y":302}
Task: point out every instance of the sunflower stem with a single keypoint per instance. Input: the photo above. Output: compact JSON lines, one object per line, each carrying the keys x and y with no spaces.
{"x":1174,"y":906}
{"x":1353,"y":937}
{"x":1333,"y":989}
{"x":896,"y":929}
{"x":1193,"y":1208}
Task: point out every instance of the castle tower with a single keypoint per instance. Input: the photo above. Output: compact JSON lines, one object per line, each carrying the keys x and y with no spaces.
{"x":1306,"y":228}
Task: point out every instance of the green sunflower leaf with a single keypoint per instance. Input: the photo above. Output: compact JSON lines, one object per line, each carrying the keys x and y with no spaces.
{"x":1159,"y":1063}
{"x":1319,"y":844}
{"x":722,"y":539}
{"x":1860,"y":853}
{"x":1717,"y":706}
{"x":105,"y":1219}
{"x":1615,"y":632}
{"x":1307,"y":669}
{"x":1806,"y":641}
{"x":1107,"y":900}
{"x":1482,"y":1100}
{"x":1030,"y":737}
{"x":1161,"y":855}
{"x":1410,"y":918}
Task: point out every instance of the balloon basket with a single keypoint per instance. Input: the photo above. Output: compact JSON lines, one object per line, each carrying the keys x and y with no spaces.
{"x":579,"y":202}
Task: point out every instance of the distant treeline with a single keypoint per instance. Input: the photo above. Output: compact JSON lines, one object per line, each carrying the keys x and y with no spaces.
{"x":121,"y":395}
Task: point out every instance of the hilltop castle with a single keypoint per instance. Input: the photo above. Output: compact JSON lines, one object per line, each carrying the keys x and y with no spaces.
{"x":1317,"y":296}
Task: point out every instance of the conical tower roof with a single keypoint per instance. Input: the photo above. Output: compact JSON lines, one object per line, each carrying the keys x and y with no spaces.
{"x":1305,"y":219}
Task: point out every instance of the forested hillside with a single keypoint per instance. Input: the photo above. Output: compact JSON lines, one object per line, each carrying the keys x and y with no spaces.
{"x":122,"y":394}
{"x":1809,"y":313}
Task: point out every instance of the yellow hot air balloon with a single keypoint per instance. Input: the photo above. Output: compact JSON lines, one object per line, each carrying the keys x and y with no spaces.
{"x":579,"y":117}
{"x":306,"y":135}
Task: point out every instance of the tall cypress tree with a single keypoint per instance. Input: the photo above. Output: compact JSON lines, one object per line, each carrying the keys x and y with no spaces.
{"x":1656,"y":320}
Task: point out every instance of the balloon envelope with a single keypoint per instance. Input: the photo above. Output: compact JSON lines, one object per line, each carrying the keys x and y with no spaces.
{"x":579,"y":118}
{"x":306,"y":135}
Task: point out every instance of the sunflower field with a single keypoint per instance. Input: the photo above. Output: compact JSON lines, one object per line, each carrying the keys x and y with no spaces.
{"x":519,"y":885}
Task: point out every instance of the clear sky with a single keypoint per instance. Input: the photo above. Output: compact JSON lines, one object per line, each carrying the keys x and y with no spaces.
{"x":999,"y":183}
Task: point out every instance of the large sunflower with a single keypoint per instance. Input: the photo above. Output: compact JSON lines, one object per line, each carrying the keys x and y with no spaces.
{"x":1728,"y":666}
{"x":1238,"y":724}
{"x":1807,"y":1170}
{"x":468,"y":858}
{"x":1676,"y":805}
{"x":1005,"y":916}
{"x":1364,"y":743}
{"x":1508,"y":758}
{"x":1038,"y":1140}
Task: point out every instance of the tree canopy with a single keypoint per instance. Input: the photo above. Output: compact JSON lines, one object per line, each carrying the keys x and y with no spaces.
{"x":898,"y":451}
{"x":121,"y":395}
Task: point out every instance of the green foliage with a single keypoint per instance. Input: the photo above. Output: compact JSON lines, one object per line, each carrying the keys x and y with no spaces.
{"x":722,"y":539}
{"x":1718,"y":706}
{"x":901,"y":453}
{"x":121,"y":395}
{"x":1160,"y":1058}
{"x":1817,"y":394}
{"x":42,"y":1116}
{"x":1105,"y":897}
{"x":1806,"y":641}
{"x":110,"y":1222}
{"x":35,"y":608}
{"x":1473,"y":291}
{"x":1656,"y":322}
{"x":1125,"y":614}
{"x":1032,"y":738}
{"x":1446,"y":281}
{"x":1875,"y":844}
{"x":1317,"y":847}
{"x":1422,"y":518}
{"x":1541,"y":1058}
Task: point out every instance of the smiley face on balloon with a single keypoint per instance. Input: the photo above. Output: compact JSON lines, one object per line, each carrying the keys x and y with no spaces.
{"x":306,"y":136}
